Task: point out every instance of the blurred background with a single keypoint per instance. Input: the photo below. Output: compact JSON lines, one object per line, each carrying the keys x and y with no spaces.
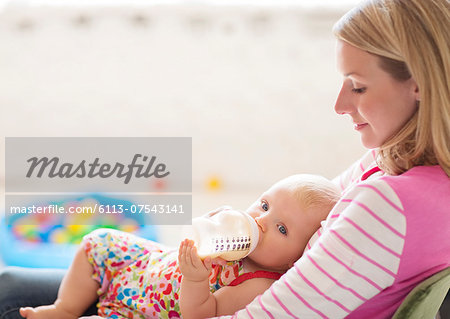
{"x":252,"y":82}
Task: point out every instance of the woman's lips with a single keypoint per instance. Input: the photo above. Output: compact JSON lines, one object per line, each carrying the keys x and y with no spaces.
{"x":359,"y":126}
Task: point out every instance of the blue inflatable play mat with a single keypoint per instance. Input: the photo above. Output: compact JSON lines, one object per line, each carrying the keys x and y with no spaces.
{"x":28,"y":242}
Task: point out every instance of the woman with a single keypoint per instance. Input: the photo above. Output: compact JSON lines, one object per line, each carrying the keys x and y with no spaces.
{"x":390,"y":229}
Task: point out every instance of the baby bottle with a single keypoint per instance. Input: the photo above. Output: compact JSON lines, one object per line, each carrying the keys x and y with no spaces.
{"x":229,"y":234}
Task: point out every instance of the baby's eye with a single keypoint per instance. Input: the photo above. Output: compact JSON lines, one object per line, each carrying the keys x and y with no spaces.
{"x":265,"y":206}
{"x":282,"y":229}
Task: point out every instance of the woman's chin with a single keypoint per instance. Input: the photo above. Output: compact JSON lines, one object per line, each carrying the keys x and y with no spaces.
{"x":370,"y":142}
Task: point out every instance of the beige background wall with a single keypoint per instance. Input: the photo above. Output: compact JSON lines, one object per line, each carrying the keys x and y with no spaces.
{"x":254,"y":86}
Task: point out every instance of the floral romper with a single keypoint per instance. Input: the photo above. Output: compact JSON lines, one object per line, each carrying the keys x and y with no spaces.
{"x":140,"y":278}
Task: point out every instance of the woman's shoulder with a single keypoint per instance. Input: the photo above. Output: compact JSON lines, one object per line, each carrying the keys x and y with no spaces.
{"x":418,"y":188}
{"x":421,"y":179}
{"x":396,"y":207}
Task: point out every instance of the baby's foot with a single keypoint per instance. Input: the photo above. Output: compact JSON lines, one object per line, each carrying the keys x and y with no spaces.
{"x":46,"y":312}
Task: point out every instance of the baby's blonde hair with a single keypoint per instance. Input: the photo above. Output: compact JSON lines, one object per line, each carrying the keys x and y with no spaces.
{"x":312,"y":191}
{"x":411,"y":39}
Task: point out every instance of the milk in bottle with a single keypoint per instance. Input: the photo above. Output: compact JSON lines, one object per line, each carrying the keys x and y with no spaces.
{"x":229,"y":234}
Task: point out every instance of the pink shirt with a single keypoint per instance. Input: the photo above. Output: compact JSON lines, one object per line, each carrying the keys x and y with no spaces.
{"x":386,"y":235}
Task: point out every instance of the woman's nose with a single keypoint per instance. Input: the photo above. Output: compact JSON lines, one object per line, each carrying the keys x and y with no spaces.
{"x":343,"y":103}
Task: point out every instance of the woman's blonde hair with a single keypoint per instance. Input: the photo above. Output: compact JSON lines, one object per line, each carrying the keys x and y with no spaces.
{"x":412,"y":39}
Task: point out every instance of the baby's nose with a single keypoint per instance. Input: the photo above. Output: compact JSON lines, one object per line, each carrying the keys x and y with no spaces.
{"x":260,"y":221}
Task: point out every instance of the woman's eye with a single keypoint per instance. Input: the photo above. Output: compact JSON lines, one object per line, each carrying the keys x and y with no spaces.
{"x":359,"y":90}
{"x":282,"y":229}
{"x":264,"y":206}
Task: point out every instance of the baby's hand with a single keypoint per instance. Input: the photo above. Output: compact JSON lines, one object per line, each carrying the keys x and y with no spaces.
{"x":191,"y":266}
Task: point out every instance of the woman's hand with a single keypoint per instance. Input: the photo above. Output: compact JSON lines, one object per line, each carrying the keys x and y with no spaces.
{"x":191,"y":266}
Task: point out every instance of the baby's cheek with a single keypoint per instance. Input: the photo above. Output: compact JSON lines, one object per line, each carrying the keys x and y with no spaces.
{"x":255,"y":255}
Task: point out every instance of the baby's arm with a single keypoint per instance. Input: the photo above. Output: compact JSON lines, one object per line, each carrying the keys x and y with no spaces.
{"x":230,"y":299}
{"x":197,"y":302}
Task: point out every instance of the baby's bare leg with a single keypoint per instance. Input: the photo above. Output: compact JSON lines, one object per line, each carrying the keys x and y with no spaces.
{"x":77,"y":292}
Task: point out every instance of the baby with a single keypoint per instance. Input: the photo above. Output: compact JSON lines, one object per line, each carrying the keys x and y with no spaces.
{"x":137,"y":278}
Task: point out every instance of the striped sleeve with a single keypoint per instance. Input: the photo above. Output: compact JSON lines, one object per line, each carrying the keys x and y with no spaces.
{"x":357,"y":256}
{"x":354,"y":172}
